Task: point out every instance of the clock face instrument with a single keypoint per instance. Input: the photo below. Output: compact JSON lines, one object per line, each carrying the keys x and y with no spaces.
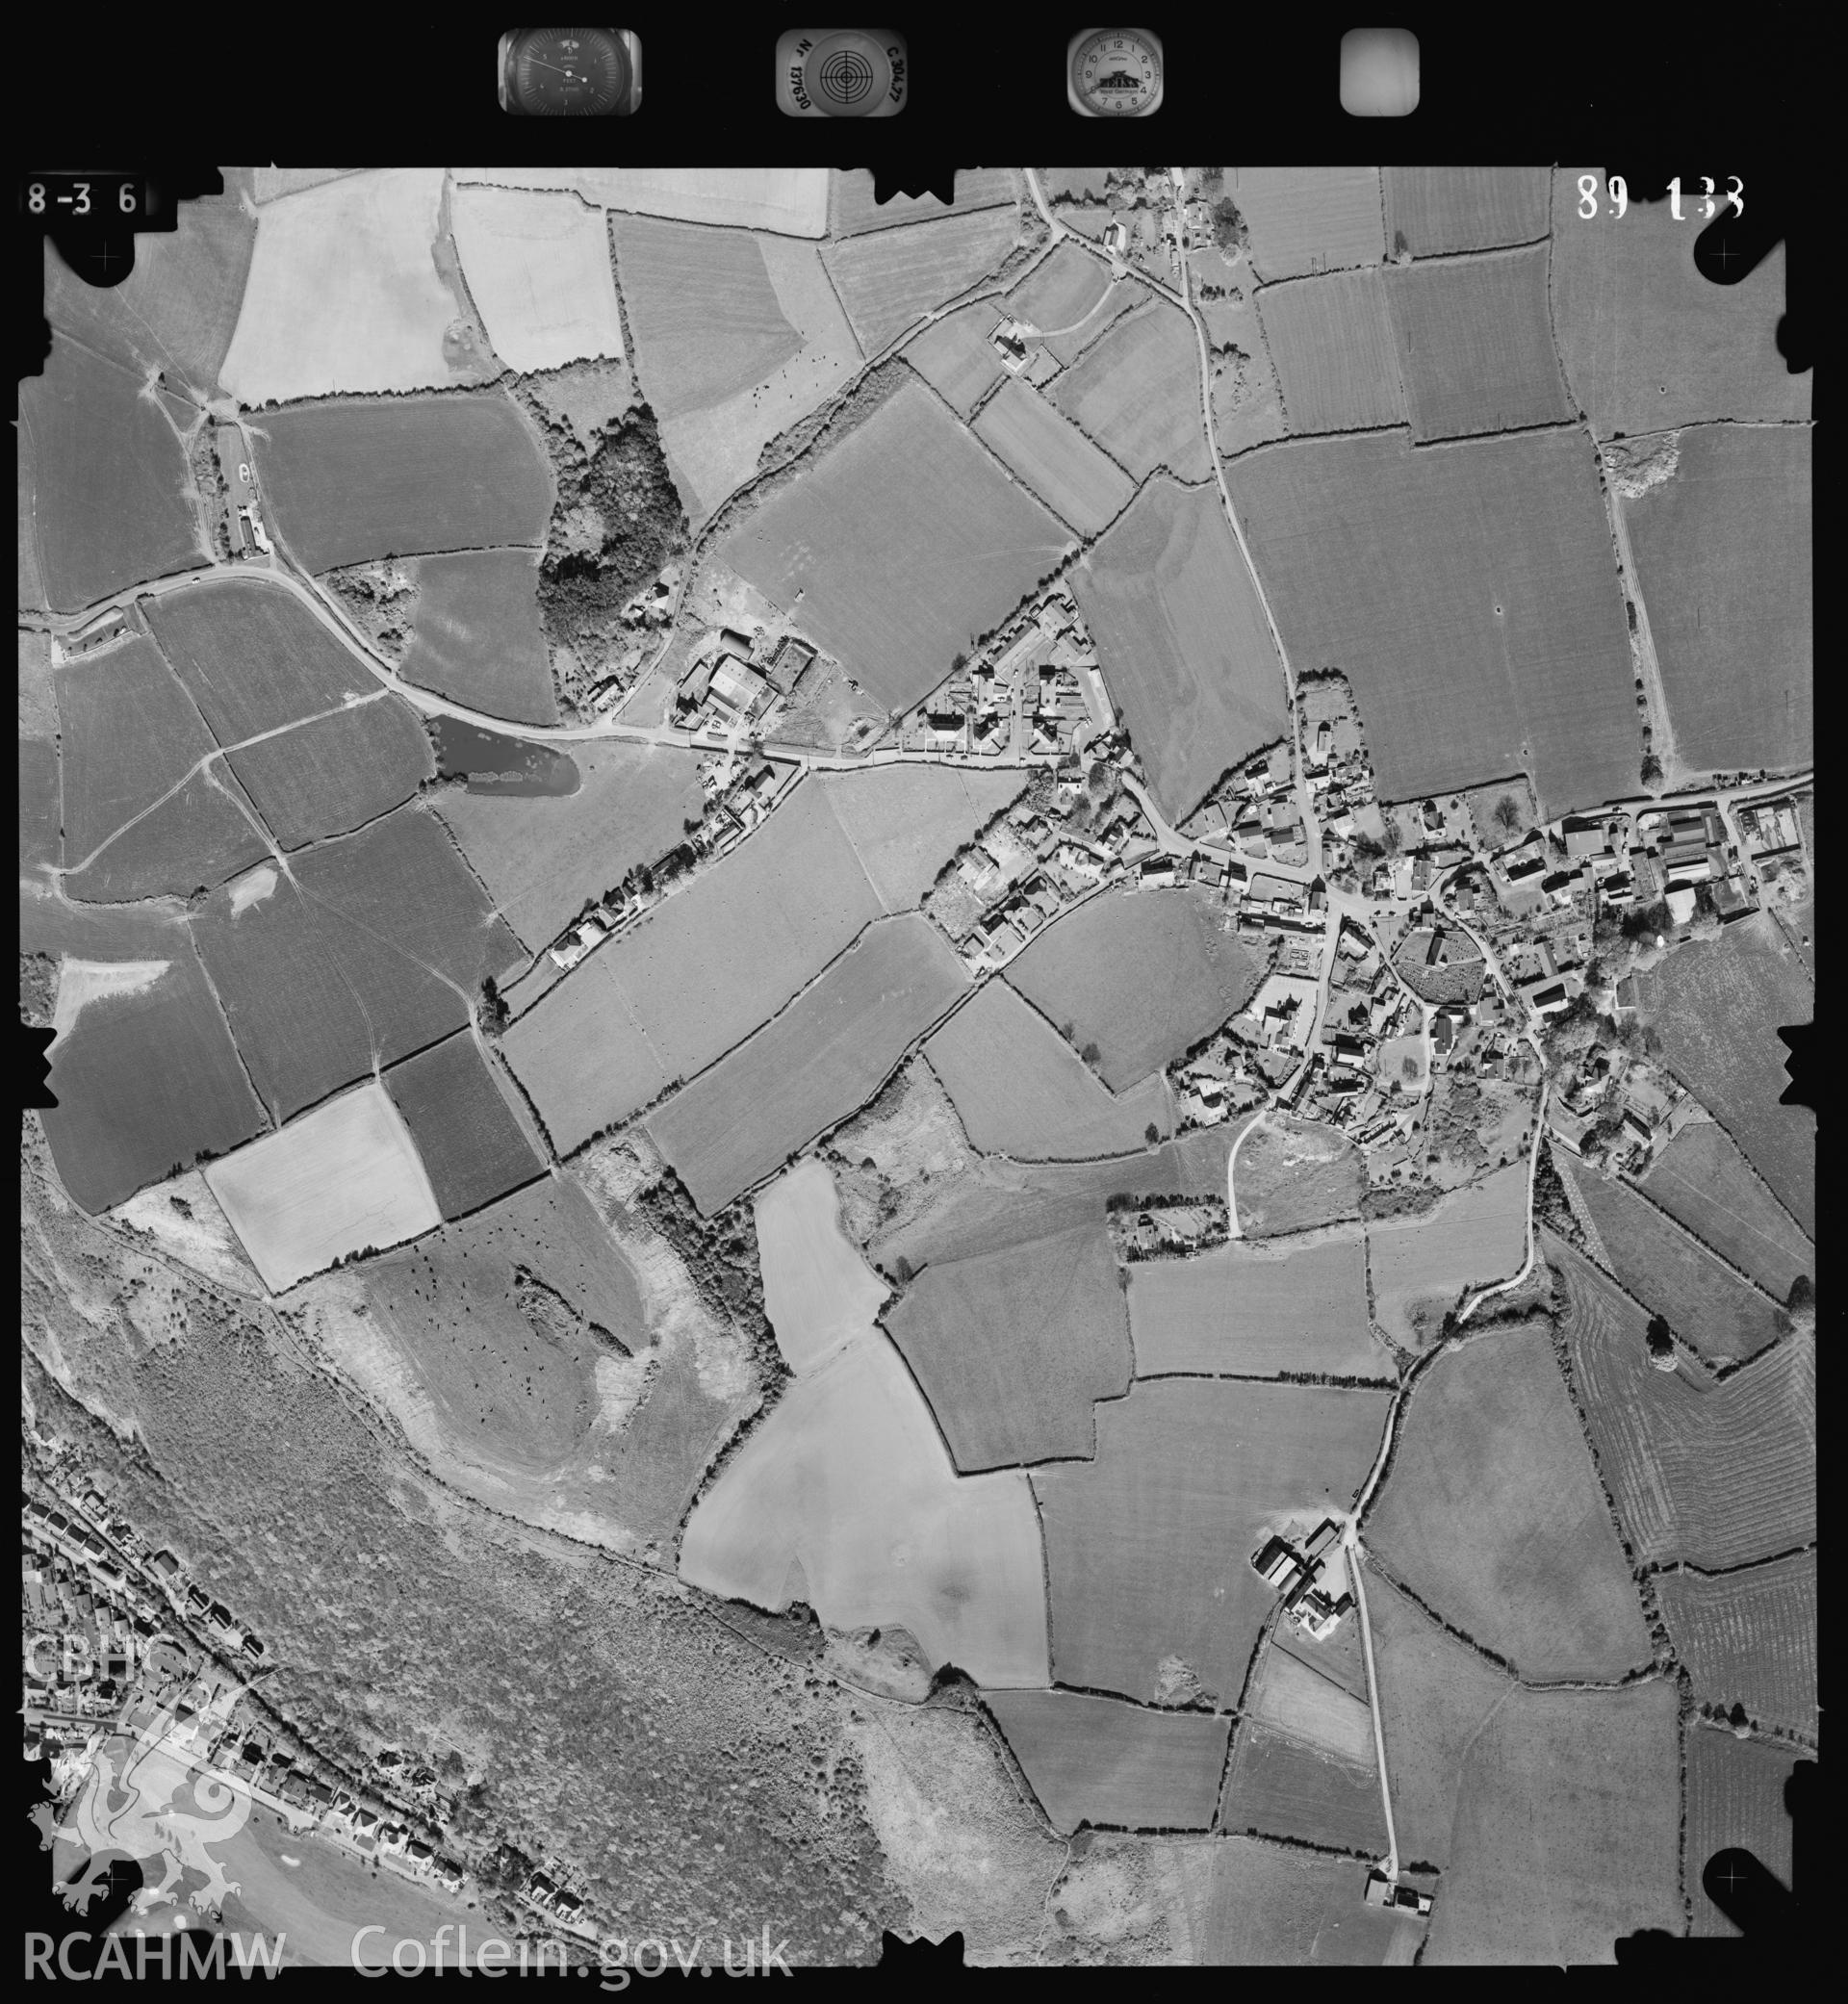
{"x":841,"y":73}
{"x":1116,"y":73}
{"x":567,"y":73}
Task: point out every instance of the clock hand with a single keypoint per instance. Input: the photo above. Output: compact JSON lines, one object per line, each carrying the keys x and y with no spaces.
{"x":553,"y":67}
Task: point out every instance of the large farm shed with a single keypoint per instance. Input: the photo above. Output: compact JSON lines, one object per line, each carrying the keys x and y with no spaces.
{"x":1469,"y":593}
{"x":1183,"y":641}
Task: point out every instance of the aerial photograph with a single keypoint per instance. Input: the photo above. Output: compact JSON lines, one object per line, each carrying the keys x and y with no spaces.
{"x":913,"y":1072}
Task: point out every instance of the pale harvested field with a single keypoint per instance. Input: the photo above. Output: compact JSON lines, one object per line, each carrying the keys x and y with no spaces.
{"x":1013,"y":1349}
{"x":1474,"y":345}
{"x":1020,"y":1090}
{"x":1332,"y":344}
{"x":1491,"y":1513}
{"x":717,"y":447}
{"x":905,"y":822}
{"x":1097,"y":1760}
{"x":1647,"y":342}
{"x":340,"y":1178}
{"x":1734,"y":1801}
{"x":1469,"y":596}
{"x":79,"y":982}
{"x":1750,"y":1637}
{"x":817,"y":1291}
{"x":853,"y":211}
{"x":1241,"y":1311}
{"x":1183,"y":641}
{"x":1144,"y":976}
{"x":183,"y":1218}
{"x":1713,"y":1474}
{"x":344,"y":293}
{"x":1053,"y":457}
{"x":1308,"y":219}
{"x":269,"y":183}
{"x":1702,"y":1179}
{"x":954,"y":356}
{"x":844,"y":1498}
{"x":1725,"y":554}
{"x":823,"y":1057}
{"x":790,"y":200}
{"x":1137,"y":392}
{"x":1294,"y":1698}
{"x":1443,"y":209}
{"x":890,"y":278}
{"x":1061,"y":293}
{"x":948,"y":550}
{"x":1475,"y":1236}
{"x":1149,"y":1547}
{"x":1567,"y":1830}
{"x":538,"y":272}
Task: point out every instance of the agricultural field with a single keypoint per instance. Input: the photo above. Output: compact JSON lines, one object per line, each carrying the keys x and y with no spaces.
{"x":1702,"y":1178}
{"x":1012,"y":1348}
{"x":1491,"y":1513}
{"x":823,"y":1057}
{"x":472,"y":1142}
{"x":145,"y":1073}
{"x":1647,"y":342}
{"x":1474,"y":345}
{"x":1734,"y":1801}
{"x":955,"y":545}
{"x":103,"y":483}
{"x":1432,"y":211}
{"x":1053,"y":457}
{"x":954,"y":356}
{"x":696,"y":974}
{"x":1468,"y":594}
{"x":852,"y":209}
{"x":1732,"y":640}
{"x":1269,"y":1905}
{"x":1713,"y":1474}
{"x":1297,"y":1699}
{"x":333,"y":774}
{"x":716,"y":449}
{"x":341,"y":1179}
{"x":403,"y":477}
{"x":1567,"y":1830}
{"x":1435,"y":1695}
{"x":1240,"y":1311}
{"x":1717,"y":1006}
{"x":1183,"y":641}
{"x":130,"y":736}
{"x":1279,"y":1786}
{"x":195,"y":838}
{"x":182,"y":1217}
{"x":344,"y":293}
{"x":1062,"y":293}
{"x":1112,"y":1765}
{"x":538,"y":270}
{"x":177,"y":309}
{"x":1704,"y":1304}
{"x":847,"y":1476}
{"x":1020,"y":1090}
{"x":375,"y":945}
{"x":1421,"y":1265}
{"x":476,"y":636}
{"x":1137,"y":392}
{"x":791,"y":200}
{"x":39,"y":841}
{"x":1750,"y":1637}
{"x":544,"y":858}
{"x":1090,"y":970}
{"x":1293,"y":1176}
{"x":905,"y":822}
{"x":892,"y":277}
{"x":817,"y":1291}
{"x":1331,"y":340}
{"x":1308,"y":219}
{"x":1148,"y":1546}
{"x":253,"y":657}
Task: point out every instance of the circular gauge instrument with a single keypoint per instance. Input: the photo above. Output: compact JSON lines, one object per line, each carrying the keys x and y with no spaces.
{"x":566,"y":73}
{"x":848,"y":75}
{"x":1116,"y":73}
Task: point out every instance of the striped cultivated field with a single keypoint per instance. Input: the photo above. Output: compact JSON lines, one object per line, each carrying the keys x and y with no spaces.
{"x":955,"y":357}
{"x":1714,"y":1474}
{"x":852,"y":209}
{"x":1137,"y":392}
{"x":1702,"y":1179}
{"x":1309,"y":218}
{"x":1734,"y":1801}
{"x":1430,"y":211}
{"x":1332,"y":343}
{"x":1121,"y":1766}
{"x":890,"y":279}
{"x":1750,"y":1637}
{"x":1050,"y":456}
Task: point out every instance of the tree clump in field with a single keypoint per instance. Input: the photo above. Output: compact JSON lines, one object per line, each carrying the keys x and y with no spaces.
{"x":38,"y":987}
{"x":1230,"y":232}
{"x":720,"y":1255}
{"x":380,"y":598}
